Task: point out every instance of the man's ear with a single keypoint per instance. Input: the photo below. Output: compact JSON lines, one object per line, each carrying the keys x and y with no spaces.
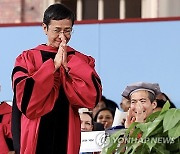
{"x":45,"y":28}
{"x":154,"y":104}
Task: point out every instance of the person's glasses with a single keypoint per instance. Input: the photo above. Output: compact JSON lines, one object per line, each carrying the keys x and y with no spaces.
{"x":66,"y":32}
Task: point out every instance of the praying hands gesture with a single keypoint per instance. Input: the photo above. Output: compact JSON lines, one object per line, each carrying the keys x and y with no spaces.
{"x":135,"y":115}
{"x":61,"y":56}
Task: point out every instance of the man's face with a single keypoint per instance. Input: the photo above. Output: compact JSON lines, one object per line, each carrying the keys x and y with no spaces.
{"x":56,"y":30}
{"x":141,"y":104}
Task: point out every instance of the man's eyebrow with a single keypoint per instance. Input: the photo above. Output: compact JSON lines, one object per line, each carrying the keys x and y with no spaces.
{"x":142,"y":99}
{"x":138,"y":99}
{"x":133,"y":100}
{"x":63,"y":28}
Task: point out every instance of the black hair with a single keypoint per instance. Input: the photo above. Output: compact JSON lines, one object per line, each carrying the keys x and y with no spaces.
{"x":109,"y":103}
{"x":171,"y":103}
{"x":58,"y":12}
{"x":103,"y":98}
{"x":103,"y":109}
{"x":152,"y":97}
{"x":160,"y":102}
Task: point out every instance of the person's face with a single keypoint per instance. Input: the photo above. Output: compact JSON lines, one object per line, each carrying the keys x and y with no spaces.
{"x":125,"y":104}
{"x":99,"y":106}
{"x":56,"y":30}
{"x":105,"y":117}
{"x":86,"y":122}
{"x":141,"y":104}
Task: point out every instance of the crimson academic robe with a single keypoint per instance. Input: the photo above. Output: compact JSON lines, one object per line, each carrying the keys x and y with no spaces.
{"x":5,"y":128}
{"x":45,"y":106}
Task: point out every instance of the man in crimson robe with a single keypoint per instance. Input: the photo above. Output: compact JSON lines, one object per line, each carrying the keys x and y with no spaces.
{"x":50,"y":83}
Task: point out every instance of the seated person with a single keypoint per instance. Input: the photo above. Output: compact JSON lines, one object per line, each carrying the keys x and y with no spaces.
{"x":101,"y":104}
{"x":105,"y":116}
{"x":105,"y":103}
{"x":86,"y":121}
{"x":125,"y":104}
{"x":111,"y":105}
{"x":161,"y":99}
{"x":142,"y":96}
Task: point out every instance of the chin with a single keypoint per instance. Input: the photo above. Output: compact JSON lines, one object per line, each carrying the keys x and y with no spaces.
{"x":57,"y":44}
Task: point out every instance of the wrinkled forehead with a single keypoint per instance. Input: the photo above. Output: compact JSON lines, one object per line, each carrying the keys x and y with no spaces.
{"x":139,"y":94}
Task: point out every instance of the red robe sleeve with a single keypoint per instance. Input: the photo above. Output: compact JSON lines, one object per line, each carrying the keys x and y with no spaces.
{"x":82,"y":84}
{"x":35,"y":85}
{"x":3,"y":145}
{"x":5,"y":127}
